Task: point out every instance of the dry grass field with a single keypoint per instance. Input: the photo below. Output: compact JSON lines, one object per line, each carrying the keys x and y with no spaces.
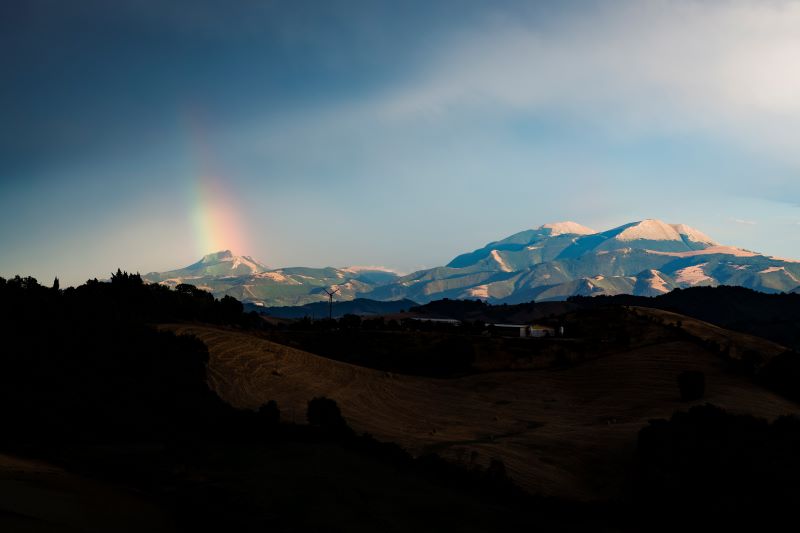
{"x":737,"y":343}
{"x":567,"y":432}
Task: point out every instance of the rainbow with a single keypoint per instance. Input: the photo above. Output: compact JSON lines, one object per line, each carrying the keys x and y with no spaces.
{"x":215,"y":219}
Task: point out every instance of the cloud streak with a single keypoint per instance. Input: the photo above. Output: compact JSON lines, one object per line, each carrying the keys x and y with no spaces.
{"x":728,"y":69}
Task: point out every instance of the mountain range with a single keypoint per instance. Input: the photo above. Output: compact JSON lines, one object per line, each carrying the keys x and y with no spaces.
{"x":549,"y":263}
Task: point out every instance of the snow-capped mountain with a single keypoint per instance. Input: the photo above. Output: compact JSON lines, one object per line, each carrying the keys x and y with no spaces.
{"x":217,"y":265}
{"x":551,"y":262}
{"x":555,"y":261}
{"x":223,"y":273}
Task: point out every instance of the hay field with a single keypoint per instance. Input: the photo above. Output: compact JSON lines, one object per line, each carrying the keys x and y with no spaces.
{"x":569,"y":432}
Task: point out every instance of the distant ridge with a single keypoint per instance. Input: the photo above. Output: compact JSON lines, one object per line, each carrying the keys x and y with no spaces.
{"x":318,"y":310}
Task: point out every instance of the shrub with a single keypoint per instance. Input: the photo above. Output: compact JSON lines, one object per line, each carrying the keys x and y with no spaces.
{"x":269,"y":414}
{"x":325,"y":413}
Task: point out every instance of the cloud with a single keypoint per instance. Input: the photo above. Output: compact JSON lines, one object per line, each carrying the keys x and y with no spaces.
{"x":745,"y":222}
{"x":726,"y":69}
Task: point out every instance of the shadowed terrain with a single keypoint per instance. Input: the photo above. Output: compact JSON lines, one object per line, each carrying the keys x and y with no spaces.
{"x":109,"y":422}
{"x":36,"y":496}
{"x":567,"y":432}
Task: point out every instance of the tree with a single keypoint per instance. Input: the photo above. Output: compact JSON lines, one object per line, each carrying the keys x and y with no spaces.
{"x":350,"y":321}
{"x":325,"y":413}
{"x":188,"y":289}
{"x":269,"y":414}
{"x":231,"y":307}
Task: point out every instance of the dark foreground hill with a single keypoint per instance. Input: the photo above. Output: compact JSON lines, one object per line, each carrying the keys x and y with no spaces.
{"x":107,"y":386}
{"x":109,"y":425}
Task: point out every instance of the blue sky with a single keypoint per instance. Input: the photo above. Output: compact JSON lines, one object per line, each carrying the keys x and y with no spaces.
{"x":338,"y":133}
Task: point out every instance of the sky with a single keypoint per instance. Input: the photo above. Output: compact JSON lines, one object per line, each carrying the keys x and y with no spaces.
{"x":144,"y":134}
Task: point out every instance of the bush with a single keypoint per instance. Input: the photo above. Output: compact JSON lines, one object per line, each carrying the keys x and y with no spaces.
{"x":325,"y":413}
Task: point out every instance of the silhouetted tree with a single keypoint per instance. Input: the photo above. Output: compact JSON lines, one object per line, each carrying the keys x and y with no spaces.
{"x":190,"y":290}
{"x":125,"y":280}
{"x":350,"y":321}
{"x":231,"y":307}
{"x":269,"y":414}
{"x":324,"y":412}
{"x":782,"y":375}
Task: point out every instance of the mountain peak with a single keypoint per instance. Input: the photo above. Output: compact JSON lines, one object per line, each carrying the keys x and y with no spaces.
{"x":225,"y":263}
{"x":222,"y":255}
{"x":567,"y":228}
{"x":656,"y":230}
{"x":649,"y":229}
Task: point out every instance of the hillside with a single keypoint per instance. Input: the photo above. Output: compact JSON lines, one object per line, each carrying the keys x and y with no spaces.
{"x":771,"y":316}
{"x":42,"y":498}
{"x":113,"y":413}
{"x":574,"y":438}
{"x":109,"y":425}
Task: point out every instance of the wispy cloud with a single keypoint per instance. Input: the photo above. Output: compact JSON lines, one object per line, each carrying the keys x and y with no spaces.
{"x":744,"y":222}
{"x":729,"y":69}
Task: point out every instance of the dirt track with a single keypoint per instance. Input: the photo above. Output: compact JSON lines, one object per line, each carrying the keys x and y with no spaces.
{"x":568,"y":432}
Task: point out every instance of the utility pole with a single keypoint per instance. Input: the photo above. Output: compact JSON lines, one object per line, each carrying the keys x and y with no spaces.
{"x":330,"y":301}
